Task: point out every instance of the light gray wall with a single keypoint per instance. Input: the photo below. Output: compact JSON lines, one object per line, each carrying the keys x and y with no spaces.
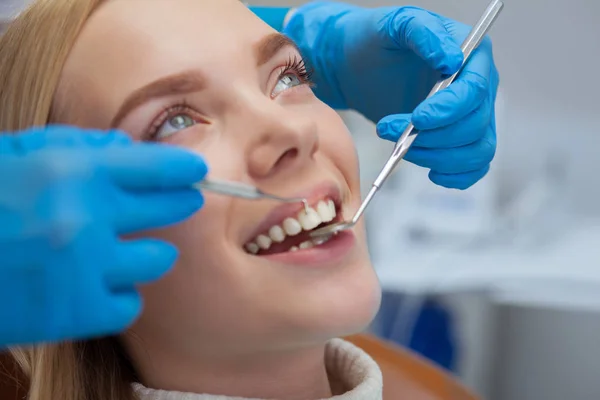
{"x":547,"y":355}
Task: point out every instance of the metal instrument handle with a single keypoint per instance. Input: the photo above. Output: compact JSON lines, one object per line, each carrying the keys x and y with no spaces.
{"x":227,"y":188}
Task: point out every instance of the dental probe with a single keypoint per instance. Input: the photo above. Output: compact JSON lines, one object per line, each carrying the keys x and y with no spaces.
{"x":410,"y":133}
{"x":244,"y":191}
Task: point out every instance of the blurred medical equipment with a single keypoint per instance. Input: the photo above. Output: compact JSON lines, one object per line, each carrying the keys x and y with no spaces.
{"x":244,"y":191}
{"x":410,"y":134}
{"x":533,"y":219}
{"x":434,"y":334}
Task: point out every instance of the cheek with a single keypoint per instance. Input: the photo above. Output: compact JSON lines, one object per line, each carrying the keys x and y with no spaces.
{"x":204,"y":279}
{"x":201,"y":240}
{"x":337,"y":144}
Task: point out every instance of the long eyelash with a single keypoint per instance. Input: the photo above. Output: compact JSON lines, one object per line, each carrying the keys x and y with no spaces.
{"x":163,"y":116}
{"x":297,"y":65}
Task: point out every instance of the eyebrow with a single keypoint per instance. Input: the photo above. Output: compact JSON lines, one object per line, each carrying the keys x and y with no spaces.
{"x":182,"y":83}
{"x":270,"y":45}
{"x":193,"y":80}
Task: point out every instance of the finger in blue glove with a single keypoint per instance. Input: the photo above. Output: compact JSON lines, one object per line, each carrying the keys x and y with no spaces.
{"x":60,"y":136}
{"x":426,"y":36}
{"x":455,"y":161}
{"x":172,"y":167}
{"x":139,"y":262}
{"x":468,"y":96}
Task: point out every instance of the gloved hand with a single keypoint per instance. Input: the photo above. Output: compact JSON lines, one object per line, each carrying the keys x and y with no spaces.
{"x":66,"y":196}
{"x":383,"y":62}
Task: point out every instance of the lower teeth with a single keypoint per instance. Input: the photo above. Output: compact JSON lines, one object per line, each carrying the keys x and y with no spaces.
{"x":307,"y":245}
{"x":254,"y":249}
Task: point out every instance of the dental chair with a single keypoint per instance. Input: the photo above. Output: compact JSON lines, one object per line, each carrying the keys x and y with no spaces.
{"x":405,"y":375}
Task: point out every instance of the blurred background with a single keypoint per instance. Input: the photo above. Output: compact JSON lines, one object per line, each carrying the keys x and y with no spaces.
{"x":500,"y":284}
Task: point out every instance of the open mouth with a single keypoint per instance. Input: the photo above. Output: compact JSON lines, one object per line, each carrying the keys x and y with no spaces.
{"x":292,"y":233}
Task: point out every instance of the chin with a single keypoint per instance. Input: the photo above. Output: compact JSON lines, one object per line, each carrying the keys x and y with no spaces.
{"x":355,"y":308}
{"x":339,"y":306}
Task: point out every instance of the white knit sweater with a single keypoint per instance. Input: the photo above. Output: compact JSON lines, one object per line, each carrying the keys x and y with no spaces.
{"x":345,"y":362}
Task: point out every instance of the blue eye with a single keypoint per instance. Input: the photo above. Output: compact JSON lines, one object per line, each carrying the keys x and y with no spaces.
{"x":286,"y":81}
{"x":173,"y":125}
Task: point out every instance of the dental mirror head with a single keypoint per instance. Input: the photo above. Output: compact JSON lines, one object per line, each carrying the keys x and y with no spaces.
{"x":325,"y":233}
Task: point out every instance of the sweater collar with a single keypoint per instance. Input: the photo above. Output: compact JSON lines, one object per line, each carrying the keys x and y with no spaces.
{"x":350,"y":366}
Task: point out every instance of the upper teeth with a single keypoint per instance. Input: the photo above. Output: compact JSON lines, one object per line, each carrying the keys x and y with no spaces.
{"x":309,"y":219}
{"x":305,"y":220}
{"x":277,"y":234}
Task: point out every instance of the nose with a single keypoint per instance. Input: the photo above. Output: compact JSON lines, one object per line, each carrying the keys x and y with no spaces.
{"x":284,"y":138}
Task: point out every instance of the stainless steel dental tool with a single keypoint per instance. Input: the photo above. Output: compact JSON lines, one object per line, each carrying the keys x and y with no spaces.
{"x":410,"y":133}
{"x":244,"y":191}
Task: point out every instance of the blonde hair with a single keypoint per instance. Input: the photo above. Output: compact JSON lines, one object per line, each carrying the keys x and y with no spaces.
{"x":33,"y":50}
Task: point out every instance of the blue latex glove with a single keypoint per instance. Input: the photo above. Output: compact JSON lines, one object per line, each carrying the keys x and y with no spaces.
{"x":383,"y":62}
{"x":66,"y":196}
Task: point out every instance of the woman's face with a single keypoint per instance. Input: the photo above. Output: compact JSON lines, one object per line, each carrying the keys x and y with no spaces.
{"x":210,"y":76}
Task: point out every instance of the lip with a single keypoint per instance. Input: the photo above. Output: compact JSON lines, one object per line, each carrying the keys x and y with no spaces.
{"x":319,"y":192}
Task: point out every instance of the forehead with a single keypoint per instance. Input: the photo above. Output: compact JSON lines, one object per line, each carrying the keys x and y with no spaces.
{"x":156,"y":29}
{"x":128,"y":43}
